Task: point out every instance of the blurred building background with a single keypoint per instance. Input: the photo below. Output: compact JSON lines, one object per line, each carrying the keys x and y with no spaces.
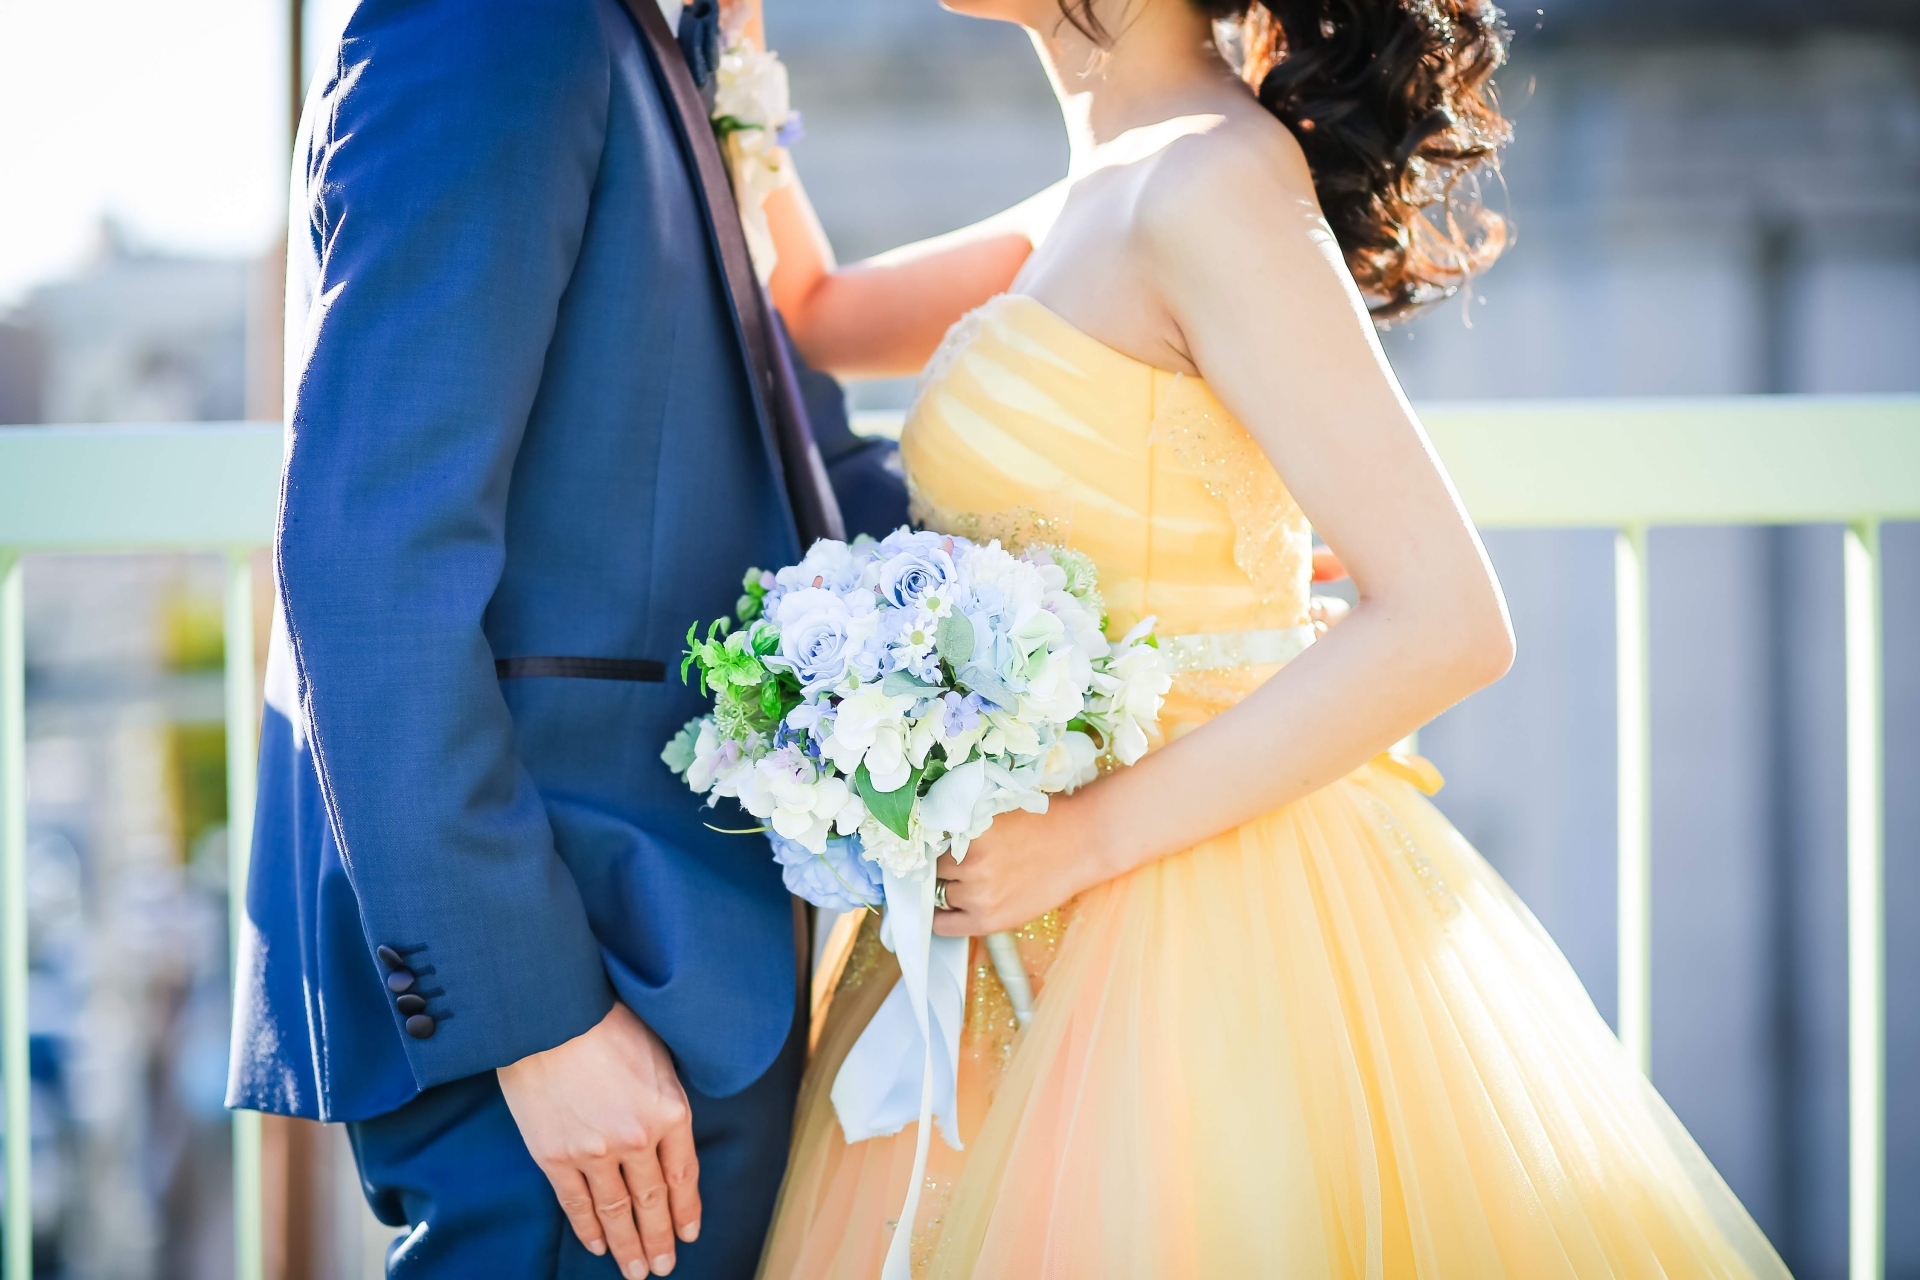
{"x":1710,"y":196}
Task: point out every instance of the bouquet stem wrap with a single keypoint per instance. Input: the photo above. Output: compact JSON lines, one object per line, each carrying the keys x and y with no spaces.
{"x":905,"y":1067}
{"x":1005,"y":954}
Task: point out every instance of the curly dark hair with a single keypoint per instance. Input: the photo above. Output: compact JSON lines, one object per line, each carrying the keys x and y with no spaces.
{"x":1393,"y":103}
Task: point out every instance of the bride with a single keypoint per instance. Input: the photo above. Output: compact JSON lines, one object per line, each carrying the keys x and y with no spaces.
{"x":1287,"y":1022}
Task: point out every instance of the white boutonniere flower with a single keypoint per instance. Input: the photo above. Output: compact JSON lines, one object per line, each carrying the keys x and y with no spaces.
{"x":754,"y":116}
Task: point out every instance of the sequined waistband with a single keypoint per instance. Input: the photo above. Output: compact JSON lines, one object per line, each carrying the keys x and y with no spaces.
{"x":1214,"y":650}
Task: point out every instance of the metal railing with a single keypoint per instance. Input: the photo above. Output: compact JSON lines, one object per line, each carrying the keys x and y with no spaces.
{"x":1620,"y":464}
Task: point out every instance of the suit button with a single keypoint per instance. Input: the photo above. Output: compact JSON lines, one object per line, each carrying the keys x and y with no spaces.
{"x":411,"y":1004}
{"x":391,"y":958}
{"x":420,"y":1027}
{"x":399,"y":980}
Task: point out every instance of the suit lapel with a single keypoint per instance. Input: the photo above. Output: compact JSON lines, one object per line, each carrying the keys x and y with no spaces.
{"x":809,"y":497}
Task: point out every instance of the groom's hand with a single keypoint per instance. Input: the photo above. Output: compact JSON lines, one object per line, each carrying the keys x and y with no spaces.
{"x":608,"y":1123}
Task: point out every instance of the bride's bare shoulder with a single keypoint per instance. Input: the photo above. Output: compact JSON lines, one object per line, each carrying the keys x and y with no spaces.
{"x":1244,"y":176}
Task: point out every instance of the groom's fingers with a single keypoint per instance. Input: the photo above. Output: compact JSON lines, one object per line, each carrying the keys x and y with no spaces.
{"x":577,"y":1203}
{"x":680,"y":1162}
{"x":613,"y":1208}
{"x":650,"y":1199}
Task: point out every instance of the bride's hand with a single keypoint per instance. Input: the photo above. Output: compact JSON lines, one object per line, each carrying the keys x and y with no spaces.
{"x":1023,"y":867}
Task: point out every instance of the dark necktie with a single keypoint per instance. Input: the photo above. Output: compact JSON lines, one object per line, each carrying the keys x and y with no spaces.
{"x":700,"y":42}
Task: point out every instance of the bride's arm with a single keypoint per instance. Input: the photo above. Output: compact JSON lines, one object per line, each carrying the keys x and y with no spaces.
{"x":883,"y":317}
{"x":1257,"y":296}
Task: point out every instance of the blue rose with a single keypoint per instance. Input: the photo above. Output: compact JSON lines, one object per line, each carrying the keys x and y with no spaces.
{"x":814,"y":642}
{"x":909,"y":578}
{"x":839,"y":879}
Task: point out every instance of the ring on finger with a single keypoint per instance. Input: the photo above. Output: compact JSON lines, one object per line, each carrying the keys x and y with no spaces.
{"x":940,"y":902}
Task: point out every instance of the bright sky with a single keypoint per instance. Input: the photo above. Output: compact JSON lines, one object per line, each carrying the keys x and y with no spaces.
{"x":167,"y":114}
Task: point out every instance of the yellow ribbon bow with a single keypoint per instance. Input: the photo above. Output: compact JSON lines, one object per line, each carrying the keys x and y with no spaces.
{"x":1410,"y":768}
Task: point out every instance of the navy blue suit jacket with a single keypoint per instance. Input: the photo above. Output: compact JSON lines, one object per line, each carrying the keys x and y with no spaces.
{"x":519,"y":425}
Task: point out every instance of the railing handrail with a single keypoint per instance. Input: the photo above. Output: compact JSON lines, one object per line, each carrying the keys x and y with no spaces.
{"x":1518,"y":464}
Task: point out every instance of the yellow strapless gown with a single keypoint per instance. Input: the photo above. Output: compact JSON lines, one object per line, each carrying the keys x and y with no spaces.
{"x":1331,"y":1043}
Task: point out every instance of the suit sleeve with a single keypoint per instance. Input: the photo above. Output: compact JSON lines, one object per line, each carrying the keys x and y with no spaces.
{"x":449,"y":161}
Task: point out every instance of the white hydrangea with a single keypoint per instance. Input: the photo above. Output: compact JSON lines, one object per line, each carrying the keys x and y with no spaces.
{"x":1070,"y":763}
{"x":1128,"y":692}
{"x":871,"y":728}
{"x":908,"y":859}
{"x":786,"y":790}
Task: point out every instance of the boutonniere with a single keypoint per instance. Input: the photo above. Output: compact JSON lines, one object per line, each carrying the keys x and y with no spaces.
{"x":754,"y":118}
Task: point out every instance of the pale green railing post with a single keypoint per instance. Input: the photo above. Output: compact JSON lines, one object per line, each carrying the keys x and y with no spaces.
{"x":242,"y":716}
{"x":13,"y":920}
{"x":1634,"y":704}
{"x":1866,"y":911}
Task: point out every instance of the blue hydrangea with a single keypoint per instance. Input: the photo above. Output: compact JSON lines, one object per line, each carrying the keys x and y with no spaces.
{"x":840,"y":879}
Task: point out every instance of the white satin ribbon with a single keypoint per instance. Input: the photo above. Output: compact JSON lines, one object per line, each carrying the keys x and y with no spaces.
{"x":905,"y":1067}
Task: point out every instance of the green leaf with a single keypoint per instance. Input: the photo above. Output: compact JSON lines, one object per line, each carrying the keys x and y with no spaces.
{"x":753,"y":597}
{"x":678,"y":755}
{"x":691,"y":658}
{"x":954,"y":639}
{"x":1092,"y":730}
{"x":732,"y":663}
{"x":983,"y":682}
{"x":900,"y":683}
{"x":894,"y":809}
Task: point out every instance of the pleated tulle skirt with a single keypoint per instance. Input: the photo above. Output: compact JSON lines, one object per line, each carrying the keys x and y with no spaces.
{"x":1329,"y":1043}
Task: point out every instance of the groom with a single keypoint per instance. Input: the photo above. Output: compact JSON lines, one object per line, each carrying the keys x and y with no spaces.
{"x":540,"y":420}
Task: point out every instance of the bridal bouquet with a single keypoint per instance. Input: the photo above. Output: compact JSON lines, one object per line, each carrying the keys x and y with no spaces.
{"x":880,"y":703}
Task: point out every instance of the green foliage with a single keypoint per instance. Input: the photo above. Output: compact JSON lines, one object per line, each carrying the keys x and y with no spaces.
{"x":749,"y":697}
{"x":726,"y":661}
{"x":897,"y":684}
{"x":893,"y":809}
{"x":678,"y":754}
{"x":778,"y":696}
{"x":1090,"y":729}
{"x":753,"y":597}
{"x":954,"y":640}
